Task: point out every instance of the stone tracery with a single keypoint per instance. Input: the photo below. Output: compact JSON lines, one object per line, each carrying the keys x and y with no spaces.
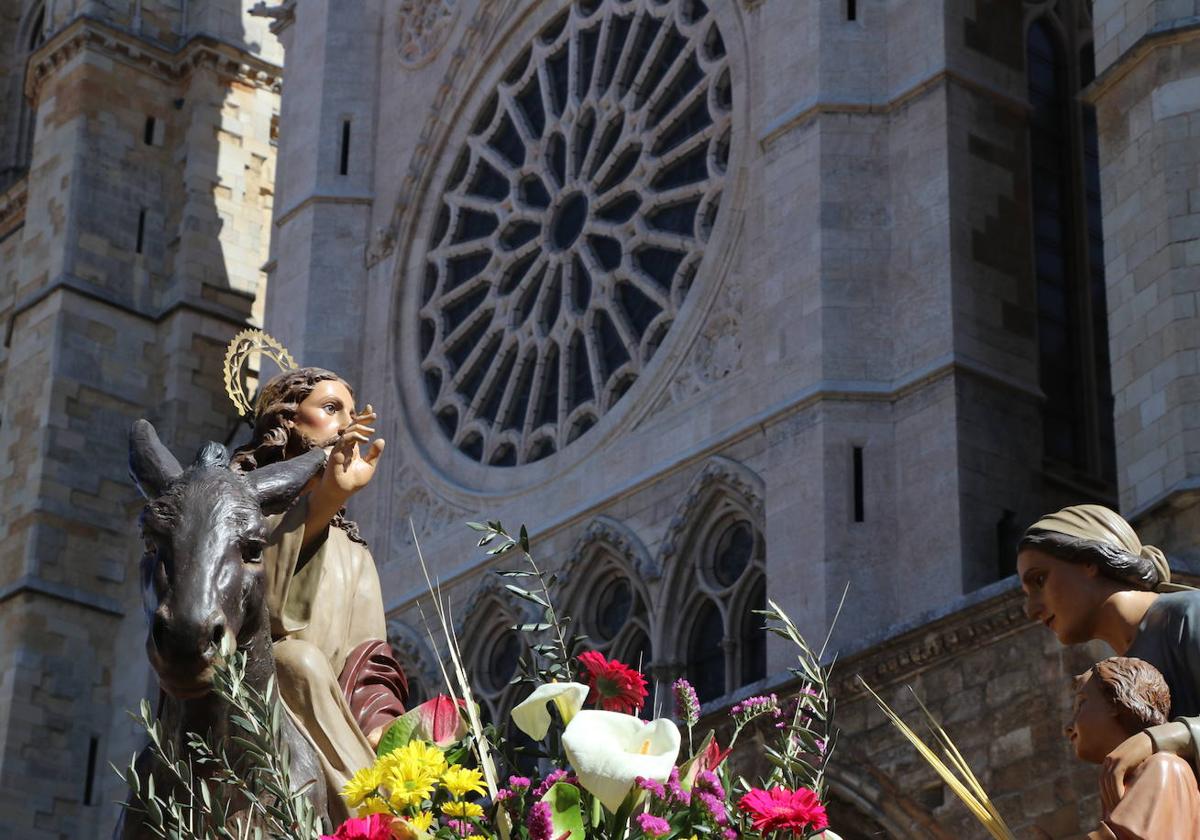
{"x":572,"y":224}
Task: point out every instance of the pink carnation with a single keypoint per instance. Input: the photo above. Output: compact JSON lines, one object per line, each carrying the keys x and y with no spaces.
{"x":374,"y":827}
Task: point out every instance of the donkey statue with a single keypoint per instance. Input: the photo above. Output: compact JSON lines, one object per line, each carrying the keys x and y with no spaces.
{"x":203,"y":584}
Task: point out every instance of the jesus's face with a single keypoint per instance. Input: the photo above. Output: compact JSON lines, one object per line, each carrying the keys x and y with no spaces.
{"x":325,"y":412}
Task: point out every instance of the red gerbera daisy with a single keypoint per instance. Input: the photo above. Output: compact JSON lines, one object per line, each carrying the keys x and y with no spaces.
{"x":780,"y":809}
{"x":615,"y":687}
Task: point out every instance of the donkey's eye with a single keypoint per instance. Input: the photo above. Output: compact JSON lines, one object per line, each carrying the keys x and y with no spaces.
{"x":252,"y":551}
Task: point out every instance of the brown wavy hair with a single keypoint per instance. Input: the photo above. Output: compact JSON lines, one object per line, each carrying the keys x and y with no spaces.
{"x":276,"y":439}
{"x":1135,"y":688}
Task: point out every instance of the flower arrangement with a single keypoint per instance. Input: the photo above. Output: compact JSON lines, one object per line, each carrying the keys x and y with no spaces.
{"x":606,"y":770}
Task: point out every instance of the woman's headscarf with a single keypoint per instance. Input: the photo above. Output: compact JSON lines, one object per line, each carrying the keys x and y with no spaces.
{"x":1093,"y":533}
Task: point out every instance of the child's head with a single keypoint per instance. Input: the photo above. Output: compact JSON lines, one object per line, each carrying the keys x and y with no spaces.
{"x":1115,"y":698}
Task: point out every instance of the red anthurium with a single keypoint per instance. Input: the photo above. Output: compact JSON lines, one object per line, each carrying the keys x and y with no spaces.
{"x":439,"y":721}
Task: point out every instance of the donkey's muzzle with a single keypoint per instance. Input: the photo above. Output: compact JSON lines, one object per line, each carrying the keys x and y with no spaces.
{"x":186,"y":640}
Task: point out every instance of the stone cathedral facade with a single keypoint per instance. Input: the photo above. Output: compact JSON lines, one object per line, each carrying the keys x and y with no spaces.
{"x":724,"y":299}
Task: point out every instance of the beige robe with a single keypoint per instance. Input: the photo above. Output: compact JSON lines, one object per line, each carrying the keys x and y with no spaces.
{"x":318,"y":616}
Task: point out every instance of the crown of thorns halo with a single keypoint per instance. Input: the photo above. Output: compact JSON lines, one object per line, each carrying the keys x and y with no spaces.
{"x":243,"y":344}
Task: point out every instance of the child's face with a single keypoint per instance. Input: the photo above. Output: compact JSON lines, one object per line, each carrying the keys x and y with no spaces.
{"x":1094,"y":730}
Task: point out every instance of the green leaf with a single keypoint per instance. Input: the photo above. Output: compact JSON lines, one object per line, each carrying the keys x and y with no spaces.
{"x":565,"y":812}
{"x":476,"y":526}
{"x":399,"y":733}
{"x":526,"y":596}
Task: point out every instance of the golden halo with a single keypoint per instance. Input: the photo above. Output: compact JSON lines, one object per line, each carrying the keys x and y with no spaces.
{"x":243,"y":344}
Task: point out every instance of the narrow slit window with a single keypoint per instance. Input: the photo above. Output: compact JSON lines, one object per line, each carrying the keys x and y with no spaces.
{"x":89,"y":781}
{"x":851,"y":9}
{"x":859,"y":513}
{"x":148,"y":131}
{"x":344,"y":163}
{"x":141,"y":231}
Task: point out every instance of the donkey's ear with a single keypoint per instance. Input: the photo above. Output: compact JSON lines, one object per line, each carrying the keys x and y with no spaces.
{"x":277,"y":485}
{"x":151,"y":465}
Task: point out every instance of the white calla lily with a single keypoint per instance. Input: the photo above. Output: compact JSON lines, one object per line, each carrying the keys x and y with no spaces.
{"x":532,"y":716}
{"x":609,"y":750}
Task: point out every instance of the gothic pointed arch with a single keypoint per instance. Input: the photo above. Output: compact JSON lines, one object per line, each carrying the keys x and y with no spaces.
{"x":713,"y":557}
{"x":491,"y":646}
{"x":606,"y":592}
{"x":864,"y":803}
{"x":418,"y":659}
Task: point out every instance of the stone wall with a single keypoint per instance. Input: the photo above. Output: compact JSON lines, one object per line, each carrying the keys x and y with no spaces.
{"x":1147,"y":99}
{"x":129,"y":255}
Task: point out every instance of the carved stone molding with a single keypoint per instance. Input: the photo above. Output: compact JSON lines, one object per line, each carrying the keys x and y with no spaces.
{"x":717,"y":351}
{"x":422,"y":27}
{"x":420,"y":164}
{"x":229,"y":62}
{"x":625,"y":543}
{"x":430,"y":514}
{"x":12,"y":207}
{"x":901,"y":658}
{"x":742,"y":482}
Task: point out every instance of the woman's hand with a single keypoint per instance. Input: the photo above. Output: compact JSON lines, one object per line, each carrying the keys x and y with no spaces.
{"x":348,"y":471}
{"x":1120,"y":763}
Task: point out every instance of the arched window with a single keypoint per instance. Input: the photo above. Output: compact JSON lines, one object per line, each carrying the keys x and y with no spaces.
{"x":725,"y":643}
{"x":32,"y":35}
{"x":1068,"y":252}
{"x":493,"y":650}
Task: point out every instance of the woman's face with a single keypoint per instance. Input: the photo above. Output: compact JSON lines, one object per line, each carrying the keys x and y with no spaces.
{"x":1063,"y":596}
{"x":325,"y":412}
{"x":1094,"y":730}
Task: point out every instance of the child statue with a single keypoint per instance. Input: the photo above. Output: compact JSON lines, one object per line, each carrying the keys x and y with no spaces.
{"x":1119,"y":697}
{"x":1086,"y":575}
{"x":337,"y":677}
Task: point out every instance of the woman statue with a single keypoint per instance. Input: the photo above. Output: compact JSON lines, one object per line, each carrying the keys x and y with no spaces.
{"x":337,"y":677}
{"x":1119,"y":697}
{"x":1086,"y":575}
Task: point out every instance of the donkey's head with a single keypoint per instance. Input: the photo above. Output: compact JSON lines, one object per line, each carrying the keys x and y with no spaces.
{"x":202,"y":574}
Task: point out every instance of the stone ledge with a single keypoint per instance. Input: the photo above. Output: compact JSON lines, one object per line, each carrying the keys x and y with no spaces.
{"x":228,"y":60}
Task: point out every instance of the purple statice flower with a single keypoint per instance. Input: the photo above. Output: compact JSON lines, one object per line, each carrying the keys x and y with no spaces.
{"x":505,"y":795}
{"x":653,"y":826}
{"x":552,"y":777}
{"x":539,"y":821}
{"x":515,"y":782}
{"x":460,"y":827}
{"x":715,"y":807}
{"x":752,"y":707}
{"x":707,"y":782}
{"x":655,"y":788}
{"x":676,"y":795}
{"x":730,"y":834}
{"x":687,"y":702}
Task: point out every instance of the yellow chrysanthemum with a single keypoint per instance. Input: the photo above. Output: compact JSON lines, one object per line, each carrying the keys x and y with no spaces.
{"x":373,"y":805}
{"x":405,"y":791}
{"x":462,"y":809}
{"x":475,"y":837}
{"x":431,"y":759}
{"x":361,"y":785}
{"x":422,"y":821}
{"x":461,"y":781}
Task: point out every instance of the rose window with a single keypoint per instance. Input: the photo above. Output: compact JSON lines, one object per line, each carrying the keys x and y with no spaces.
{"x":572,"y":224}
